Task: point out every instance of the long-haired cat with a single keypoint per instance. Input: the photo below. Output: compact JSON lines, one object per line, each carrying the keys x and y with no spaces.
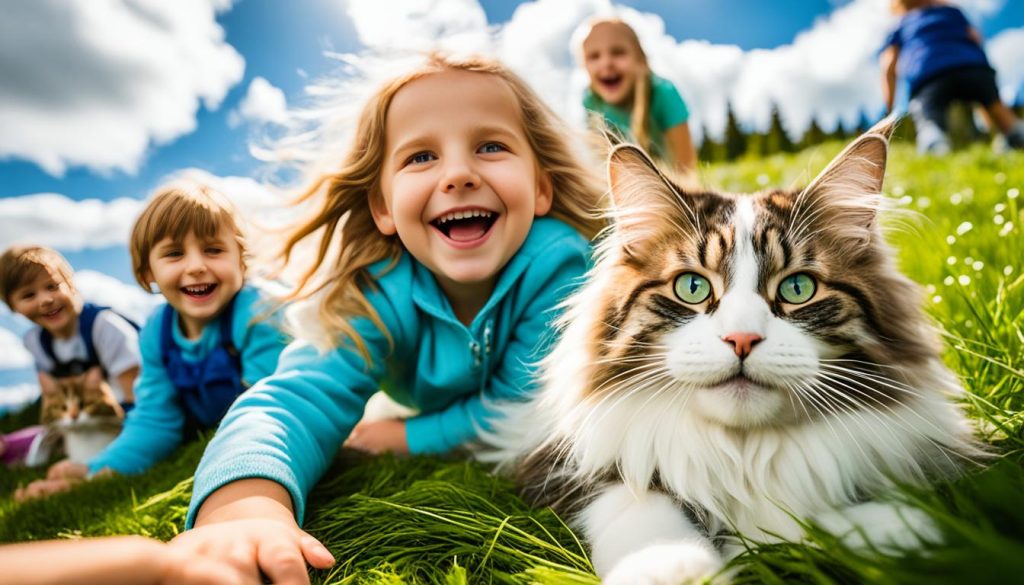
{"x":737,"y":364}
{"x":83,"y":411}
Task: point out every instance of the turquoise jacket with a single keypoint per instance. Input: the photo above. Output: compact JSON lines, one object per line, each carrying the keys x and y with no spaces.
{"x":289,"y":426}
{"x":153,"y":428}
{"x":667,"y":111}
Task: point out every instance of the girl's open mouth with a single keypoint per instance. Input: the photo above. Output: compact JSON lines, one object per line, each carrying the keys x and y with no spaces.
{"x":611,"y":82}
{"x":199,"y":291}
{"x":465,"y":226}
{"x":53,"y":313}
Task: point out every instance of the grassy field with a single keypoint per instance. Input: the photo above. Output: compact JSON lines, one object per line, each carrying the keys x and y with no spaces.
{"x":435,"y":521}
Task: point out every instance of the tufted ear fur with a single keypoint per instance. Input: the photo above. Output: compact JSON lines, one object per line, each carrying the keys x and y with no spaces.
{"x":644,"y":200}
{"x":844,"y":199}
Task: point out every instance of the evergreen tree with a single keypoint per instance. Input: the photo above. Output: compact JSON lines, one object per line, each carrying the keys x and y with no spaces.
{"x":735,"y":140}
{"x":813,"y":135}
{"x":711,"y":150}
{"x":777,"y":140}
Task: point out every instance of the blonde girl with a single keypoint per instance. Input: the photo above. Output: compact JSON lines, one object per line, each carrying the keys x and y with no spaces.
{"x":452,"y":229}
{"x":641,"y":106}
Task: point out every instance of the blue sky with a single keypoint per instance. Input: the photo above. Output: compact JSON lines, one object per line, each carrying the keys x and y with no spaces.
{"x":103,"y":101}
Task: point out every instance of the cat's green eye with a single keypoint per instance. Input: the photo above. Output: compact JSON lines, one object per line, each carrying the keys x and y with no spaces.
{"x":692,"y":288}
{"x":798,"y":288}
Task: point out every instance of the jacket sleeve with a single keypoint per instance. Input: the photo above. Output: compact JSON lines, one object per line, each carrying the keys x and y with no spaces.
{"x":513,"y":377}
{"x":288,"y":426}
{"x":153,"y":428}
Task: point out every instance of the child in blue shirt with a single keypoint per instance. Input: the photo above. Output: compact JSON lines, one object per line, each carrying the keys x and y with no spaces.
{"x":206,"y":345}
{"x":641,"y":106}
{"x":939,"y":55}
{"x":461,"y":219}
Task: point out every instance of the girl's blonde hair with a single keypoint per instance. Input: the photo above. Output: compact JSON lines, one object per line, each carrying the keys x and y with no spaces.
{"x":639,"y":119}
{"x":177,"y":210}
{"x":347,"y":194}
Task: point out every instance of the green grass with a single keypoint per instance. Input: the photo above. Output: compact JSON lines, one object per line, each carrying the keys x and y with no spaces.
{"x":427,"y":520}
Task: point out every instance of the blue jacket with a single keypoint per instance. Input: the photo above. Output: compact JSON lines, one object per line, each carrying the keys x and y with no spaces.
{"x":289,"y":426}
{"x":154,"y":428}
{"x":931,"y":41}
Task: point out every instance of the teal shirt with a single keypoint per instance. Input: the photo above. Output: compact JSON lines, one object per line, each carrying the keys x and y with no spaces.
{"x":289,"y":426}
{"x":667,"y":111}
{"x":153,"y":428}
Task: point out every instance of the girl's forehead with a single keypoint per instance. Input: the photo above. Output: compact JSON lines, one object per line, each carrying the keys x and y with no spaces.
{"x":426,"y":101}
{"x":607,"y":33}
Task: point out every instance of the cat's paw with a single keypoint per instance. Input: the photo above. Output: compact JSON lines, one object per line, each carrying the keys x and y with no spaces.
{"x":678,"y":563}
{"x":888,"y":527}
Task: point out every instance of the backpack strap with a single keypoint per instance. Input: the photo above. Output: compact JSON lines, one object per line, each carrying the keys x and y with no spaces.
{"x":46,"y":342}
{"x":86,"y":320}
{"x":166,"y":333}
{"x":226,"y":323}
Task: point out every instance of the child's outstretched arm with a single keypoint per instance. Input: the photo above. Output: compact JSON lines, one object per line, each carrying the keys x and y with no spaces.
{"x":121,"y":560}
{"x":271,"y":448}
{"x":250,"y":523}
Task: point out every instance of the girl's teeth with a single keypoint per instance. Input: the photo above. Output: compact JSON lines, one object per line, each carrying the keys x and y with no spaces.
{"x":464,"y":214}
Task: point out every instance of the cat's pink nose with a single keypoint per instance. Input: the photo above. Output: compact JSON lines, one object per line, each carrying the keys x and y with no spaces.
{"x":742,"y":343}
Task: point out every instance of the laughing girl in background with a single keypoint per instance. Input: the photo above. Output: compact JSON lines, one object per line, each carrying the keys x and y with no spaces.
{"x":460,"y":218}
{"x":642,"y":107}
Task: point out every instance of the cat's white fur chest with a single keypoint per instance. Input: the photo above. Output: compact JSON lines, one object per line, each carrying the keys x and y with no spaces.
{"x":756,"y":482}
{"x":85,"y":438}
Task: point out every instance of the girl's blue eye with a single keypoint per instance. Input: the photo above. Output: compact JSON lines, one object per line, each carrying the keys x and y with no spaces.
{"x":798,"y":288}
{"x":492,"y":147}
{"x":692,"y":288}
{"x":421,"y":157}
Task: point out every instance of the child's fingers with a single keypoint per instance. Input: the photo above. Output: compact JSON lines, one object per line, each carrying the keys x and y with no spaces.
{"x":315,"y":553}
{"x":282,"y":563}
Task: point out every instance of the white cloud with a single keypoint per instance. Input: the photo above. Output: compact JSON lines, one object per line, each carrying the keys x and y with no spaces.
{"x":128,"y":299}
{"x":13,"y":354}
{"x":1006,"y":53}
{"x":96,"y":83}
{"x":14,"y":398}
{"x":54,"y":220}
{"x":415,"y":25}
{"x":58,"y":221}
{"x":263,"y":102}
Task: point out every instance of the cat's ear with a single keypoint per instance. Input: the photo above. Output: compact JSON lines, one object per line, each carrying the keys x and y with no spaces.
{"x":846,"y":196}
{"x":47,"y":385}
{"x":93,"y":378}
{"x":643,"y":199}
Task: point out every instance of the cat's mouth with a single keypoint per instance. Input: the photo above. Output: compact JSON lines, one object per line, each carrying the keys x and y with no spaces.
{"x":740,"y":382}
{"x":465,"y":225}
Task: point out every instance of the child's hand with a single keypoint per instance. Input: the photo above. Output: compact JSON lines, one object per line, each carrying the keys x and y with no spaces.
{"x":251,"y":548}
{"x":379,"y":436}
{"x":42,"y":488}
{"x":67,"y":469}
